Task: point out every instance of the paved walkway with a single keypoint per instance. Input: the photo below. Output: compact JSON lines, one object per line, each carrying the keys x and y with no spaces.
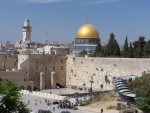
{"x":41,"y":102}
{"x":41,"y":105}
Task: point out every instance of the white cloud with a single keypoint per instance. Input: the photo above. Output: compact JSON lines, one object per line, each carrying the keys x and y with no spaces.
{"x":102,"y":1}
{"x":75,"y":1}
{"x":43,"y":1}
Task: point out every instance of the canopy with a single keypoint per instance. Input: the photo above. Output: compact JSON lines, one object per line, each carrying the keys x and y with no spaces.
{"x":126,"y":78}
{"x":131,"y":95}
{"x":118,"y":80}
{"x":121,"y":85}
{"x":124,"y":90}
{"x":125,"y":93}
{"x":124,"y":87}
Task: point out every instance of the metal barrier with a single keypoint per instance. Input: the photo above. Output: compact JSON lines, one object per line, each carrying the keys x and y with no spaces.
{"x":45,"y":95}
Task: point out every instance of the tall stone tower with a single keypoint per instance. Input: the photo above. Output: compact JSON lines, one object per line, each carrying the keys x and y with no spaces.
{"x":26,"y":29}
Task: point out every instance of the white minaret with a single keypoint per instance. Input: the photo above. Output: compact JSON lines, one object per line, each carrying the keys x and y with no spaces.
{"x":26,"y":29}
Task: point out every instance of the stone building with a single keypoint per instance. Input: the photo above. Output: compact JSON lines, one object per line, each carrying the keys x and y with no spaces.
{"x":35,"y":70}
{"x":47,"y":69}
{"x":86,"y":38}
{"x":8,"y":62}
{"x":7,"y":48}
{"x":87,"y":34}
{"x":18,"y":77}
{"x":9,"y":70}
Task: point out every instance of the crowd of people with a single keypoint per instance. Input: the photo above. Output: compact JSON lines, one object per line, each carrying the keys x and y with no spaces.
{"x":67,"y":105}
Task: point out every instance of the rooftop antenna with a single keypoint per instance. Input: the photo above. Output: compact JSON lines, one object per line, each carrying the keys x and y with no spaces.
{"x":1,"y":40}
{"x":46,"y":40}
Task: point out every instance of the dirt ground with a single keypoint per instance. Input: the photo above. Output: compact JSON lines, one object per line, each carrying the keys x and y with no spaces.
{"x":108,"y":103}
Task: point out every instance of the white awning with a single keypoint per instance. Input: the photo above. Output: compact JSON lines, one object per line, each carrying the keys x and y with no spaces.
{"x":118,"y":80}
{"x":121,"y":85}
{"x":119,"y":88}
{"x":131,"y":95}
{"x":125,"y":93}
{"x":124,"y":90}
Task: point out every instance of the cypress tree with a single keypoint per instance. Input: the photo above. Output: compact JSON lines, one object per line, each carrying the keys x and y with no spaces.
{"x":130,"y":51}
{"x":125,"y":48}
{"x":141,"y":44}
{"x":147,"y":49}
{"x":98,"y":50}
{"x":110,"y":45}
{"x":135,"y":49}
{"x":116,"y":50}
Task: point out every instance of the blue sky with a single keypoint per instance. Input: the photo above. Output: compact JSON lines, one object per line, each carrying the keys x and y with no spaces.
{"x":61,"y":18}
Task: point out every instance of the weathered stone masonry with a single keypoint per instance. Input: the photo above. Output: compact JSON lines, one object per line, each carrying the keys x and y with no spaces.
{"x":103,"y":70}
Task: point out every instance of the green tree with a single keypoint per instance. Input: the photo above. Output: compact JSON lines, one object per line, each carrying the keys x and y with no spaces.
{"x":125,"y":48}
{"x":98,"y":50}
{"x":147,"y":49}
{"x":141,"y":88}
{"x":110,"y":45}
{"x":11,"y":98}
{"x":116,"y":50}
{"x":113,"y":48}
{"x":140,"y":52}
{"x":130,"y":51}
{"x":135,"y":48}
{"x":104,"y":52}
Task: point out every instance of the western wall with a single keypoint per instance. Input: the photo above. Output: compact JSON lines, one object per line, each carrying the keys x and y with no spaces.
{"x":81,"y":69}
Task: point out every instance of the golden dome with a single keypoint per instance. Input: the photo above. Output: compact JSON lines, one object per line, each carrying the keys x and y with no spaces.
{"x":87,"y":31}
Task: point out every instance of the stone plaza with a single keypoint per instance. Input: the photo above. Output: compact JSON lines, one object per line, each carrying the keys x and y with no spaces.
{"x":36,"y":103}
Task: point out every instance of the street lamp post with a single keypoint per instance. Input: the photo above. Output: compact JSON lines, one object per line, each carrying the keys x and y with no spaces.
{"x":91,"y":81}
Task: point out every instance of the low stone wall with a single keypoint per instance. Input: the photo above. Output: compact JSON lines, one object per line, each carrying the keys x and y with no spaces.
{"x":19,"y":77}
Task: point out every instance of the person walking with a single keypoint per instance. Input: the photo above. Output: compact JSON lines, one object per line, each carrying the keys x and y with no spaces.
{"x":101,"y":110}
{"x":53,"y":108}
{"x":48,"y":108}
{"x":29,"y":102}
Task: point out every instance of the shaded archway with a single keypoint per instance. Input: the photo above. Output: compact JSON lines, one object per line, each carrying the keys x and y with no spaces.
{"x":29,"y":88}
{"x":22,"y":87}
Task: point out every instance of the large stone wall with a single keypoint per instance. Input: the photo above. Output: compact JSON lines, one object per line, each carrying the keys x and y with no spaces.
{"x":103,"y":70}
{"x":53,"y":67}
{"x":47,"y":64}
{"x":8,"y":62}
{"x":18,"y":77}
